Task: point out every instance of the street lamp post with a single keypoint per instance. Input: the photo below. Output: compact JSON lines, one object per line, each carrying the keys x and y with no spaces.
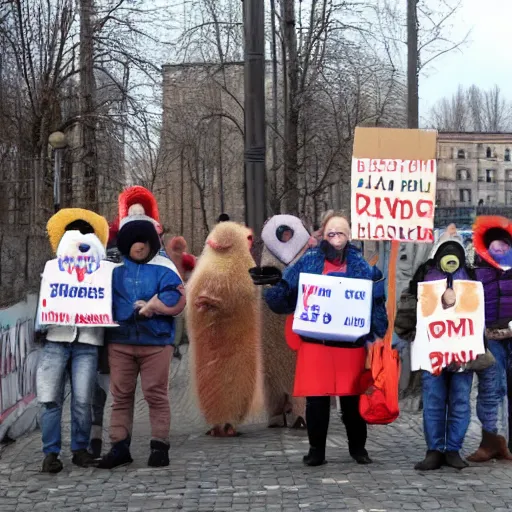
{"x":254,"y":103}
{"x":58,"y":142}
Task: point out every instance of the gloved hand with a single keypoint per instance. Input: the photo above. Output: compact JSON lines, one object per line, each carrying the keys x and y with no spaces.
{"x":265,"y":275}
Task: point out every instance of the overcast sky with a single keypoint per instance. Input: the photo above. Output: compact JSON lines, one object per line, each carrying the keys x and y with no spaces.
{"x":484,"y":61}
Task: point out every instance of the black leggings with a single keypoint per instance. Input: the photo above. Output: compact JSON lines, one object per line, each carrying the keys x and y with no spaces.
{"x":318,"y":410}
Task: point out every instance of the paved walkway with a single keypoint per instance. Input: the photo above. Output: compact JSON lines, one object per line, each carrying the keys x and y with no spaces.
{"x":261,"y":470}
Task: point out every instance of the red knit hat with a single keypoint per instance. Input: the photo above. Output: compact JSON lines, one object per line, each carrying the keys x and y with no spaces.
{"x":138,"y":200}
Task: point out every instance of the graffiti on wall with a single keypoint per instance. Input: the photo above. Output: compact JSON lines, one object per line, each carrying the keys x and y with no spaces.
{"x":18,"y":362}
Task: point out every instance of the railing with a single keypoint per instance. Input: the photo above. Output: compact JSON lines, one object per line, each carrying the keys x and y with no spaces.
{"x":464,"y":216}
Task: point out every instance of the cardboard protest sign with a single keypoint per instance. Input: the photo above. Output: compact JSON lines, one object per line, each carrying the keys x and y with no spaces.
{"x":452,"y":334}
{"x":64,"y":300}
{"x":393,"y":184}
{"x":333,"y":308}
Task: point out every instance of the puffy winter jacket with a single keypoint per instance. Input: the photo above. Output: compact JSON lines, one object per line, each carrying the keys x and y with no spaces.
{"x":132,"y":282}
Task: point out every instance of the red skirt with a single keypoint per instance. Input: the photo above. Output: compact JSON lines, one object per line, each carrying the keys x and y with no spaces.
{"x":322,"y":370}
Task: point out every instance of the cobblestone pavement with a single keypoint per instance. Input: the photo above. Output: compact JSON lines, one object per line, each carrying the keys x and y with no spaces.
{"x":261,"y":470}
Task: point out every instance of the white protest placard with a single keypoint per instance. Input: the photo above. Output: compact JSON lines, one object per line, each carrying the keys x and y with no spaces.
{"x":76,"y":298}
{"x":448,"y":334}
{"x":393,"y":199}
{"x":393,"y":184}
{"x":333,"y":308}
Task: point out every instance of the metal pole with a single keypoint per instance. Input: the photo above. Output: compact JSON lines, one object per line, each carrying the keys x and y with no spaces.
{"x":56,"y":178}
{"x":412,"y":64}
{"x":254,"y":104}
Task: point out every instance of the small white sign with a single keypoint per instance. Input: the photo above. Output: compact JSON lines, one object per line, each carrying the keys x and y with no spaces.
{"x":446,"y":335}
{"x":333,"y":308}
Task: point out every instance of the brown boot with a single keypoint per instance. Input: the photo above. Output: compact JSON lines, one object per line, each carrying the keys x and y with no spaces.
{"x":492,"y":446}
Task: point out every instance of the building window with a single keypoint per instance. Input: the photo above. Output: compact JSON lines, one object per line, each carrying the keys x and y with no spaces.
{"x":491,"y":200}
{"x":489,"y":153}
{"x":509,"y":174}
{"x":465,"y":195}
{"x":463,"y":175}
{"x":461,"y":154}
{"x":442,"y":198}
{"x":507,"y":155}
{"x":489,"y":176}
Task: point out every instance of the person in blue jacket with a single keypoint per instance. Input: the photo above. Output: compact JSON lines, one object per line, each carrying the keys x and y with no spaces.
{"x":146,"y":294}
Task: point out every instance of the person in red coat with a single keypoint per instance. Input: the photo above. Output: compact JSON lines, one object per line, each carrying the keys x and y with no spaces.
{"x":328,"y":368}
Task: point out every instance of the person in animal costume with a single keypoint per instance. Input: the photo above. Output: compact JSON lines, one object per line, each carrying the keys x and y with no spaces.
{"x":325,"y":369}
{"x":224,"y":330}
{"x":492,"y":244}
{"x":176,"y":249}
{"x":78,"y":238}
{"x":285,"y":240}
{"x":446,"y":392}
{"x":147,"y":294}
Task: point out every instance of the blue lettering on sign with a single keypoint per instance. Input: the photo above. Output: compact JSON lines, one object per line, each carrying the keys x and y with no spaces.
{"x":327,"y":318}
{"x":308,"y":290}
{"x":315,"y":313}
{"x":355,"y":294}
{"x":82,"y":292}
{"x":353,"y":321}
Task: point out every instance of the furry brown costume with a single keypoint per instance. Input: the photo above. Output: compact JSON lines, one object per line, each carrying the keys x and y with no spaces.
{"x":279,"y":364}
{"x":223,"y":319}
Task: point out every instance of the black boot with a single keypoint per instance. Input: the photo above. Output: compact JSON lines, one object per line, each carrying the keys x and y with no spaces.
{"x":433,"y":460}
{"x":361,"y":457}
{"x":315,"y":457}
{"x":119,"y":455}
{"x":96,"y":448}
{"x":52,"y":463}
{"x":159,"y":456}
{"x":83,"y":459}
{"x":454,"y":460}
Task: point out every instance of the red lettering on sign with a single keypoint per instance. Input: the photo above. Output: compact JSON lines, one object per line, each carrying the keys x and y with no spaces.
{"x":401,"y":209}
{"x":439,"y":360}
{"x":307,"y":291}
{"x":449,"y":328}
{"x":425,"y":208}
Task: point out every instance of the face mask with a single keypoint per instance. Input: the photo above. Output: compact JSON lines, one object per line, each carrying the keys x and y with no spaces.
{"x":449,"y":263}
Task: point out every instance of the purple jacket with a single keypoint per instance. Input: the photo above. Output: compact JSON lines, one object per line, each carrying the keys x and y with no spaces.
{"x":498,"y":295}
{"x":433,"y":274}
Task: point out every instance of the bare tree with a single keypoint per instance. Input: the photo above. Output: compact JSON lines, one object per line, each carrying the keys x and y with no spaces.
{"x":425,"y":27}
{"x":473,"y":109}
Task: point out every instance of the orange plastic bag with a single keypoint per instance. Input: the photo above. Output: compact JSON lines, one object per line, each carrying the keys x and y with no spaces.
{"x":379,"y":404}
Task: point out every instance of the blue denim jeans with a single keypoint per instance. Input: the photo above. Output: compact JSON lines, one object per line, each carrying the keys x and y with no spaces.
{"x":492,"y":389}
{"x":446,"y":409}
{"x":56,"y":361}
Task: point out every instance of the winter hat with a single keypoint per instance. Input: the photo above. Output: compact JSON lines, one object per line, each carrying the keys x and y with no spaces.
{"x":76,"y":219}
{"x":284,"y":236}
{"x":138,"y":228}
{"x":486,"y":229}
{"x":138,"y":220}
{"x":451,"y":249}
{"x":493,"y":234}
